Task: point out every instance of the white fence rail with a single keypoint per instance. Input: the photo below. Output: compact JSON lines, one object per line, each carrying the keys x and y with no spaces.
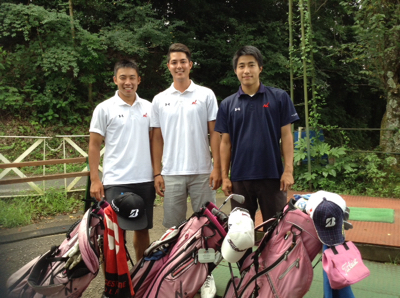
{"x":44,"y":141}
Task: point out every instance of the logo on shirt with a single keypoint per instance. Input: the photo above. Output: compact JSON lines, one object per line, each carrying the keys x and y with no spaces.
{"x":195,"y":102}
{"x":237,"y":109}
{"x":121,"y":116}
{"x":266,"y":105}
{"x":294,"y":115}
{"x":167,"y":104}
{"x":145,"y":115}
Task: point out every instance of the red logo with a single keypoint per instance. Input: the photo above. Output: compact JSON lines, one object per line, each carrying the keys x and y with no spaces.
{"x":266,"y":106}
{"x":195,"y":102}
{"x":145,"y":115}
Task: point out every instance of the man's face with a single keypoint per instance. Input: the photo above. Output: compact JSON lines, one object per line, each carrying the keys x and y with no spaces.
{"x":127,"y":80}
{"x":179,"y":66}
{"x":248,"y":71}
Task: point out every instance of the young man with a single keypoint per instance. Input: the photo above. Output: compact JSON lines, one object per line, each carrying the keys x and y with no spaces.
{"x":123,"y":122}
{"x":255,"y":124}
{"x":182,"y":117}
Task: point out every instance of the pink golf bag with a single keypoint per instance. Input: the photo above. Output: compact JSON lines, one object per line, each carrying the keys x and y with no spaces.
{"x":178,"y":264}
{"x":281,"y":265}
{"x":65,"y":270}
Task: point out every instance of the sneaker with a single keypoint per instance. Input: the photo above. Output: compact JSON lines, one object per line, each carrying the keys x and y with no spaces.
{"x":208,"y":289}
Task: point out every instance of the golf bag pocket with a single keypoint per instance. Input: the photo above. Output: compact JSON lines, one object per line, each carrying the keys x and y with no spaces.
{"x":290,"y":275}
{"x":293,"y":268}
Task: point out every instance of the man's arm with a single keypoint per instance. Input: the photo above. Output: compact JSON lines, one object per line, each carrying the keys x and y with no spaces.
{"x":225,"y":151}
{"x":96,"y":187}
{"x":157,"y":143}
{"x":215,"y":141}
{"x":287,"y":179}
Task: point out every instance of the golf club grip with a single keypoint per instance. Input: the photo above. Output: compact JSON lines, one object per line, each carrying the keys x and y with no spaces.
{"x":222,"y":217}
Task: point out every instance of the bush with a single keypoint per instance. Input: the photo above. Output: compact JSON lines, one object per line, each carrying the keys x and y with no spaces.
{"x":337,"y":169}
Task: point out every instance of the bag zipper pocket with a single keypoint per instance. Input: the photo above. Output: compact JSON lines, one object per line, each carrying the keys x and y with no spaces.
{"x":295,"y":264}
{"x":276,"y":263}
{"x":189,"y":259}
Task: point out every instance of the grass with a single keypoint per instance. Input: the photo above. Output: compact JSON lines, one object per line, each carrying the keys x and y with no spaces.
{"x":395,"y":261}
{"x":22,"y":211}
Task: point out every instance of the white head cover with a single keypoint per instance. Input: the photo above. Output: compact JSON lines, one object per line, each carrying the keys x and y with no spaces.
{"x":240,"y":235}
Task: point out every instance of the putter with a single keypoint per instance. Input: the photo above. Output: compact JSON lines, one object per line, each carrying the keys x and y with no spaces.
{"x":238,"y":198}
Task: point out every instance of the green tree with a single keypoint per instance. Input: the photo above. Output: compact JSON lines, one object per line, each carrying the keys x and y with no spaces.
{"x":377,"y":49}
{"x":53,"y":72}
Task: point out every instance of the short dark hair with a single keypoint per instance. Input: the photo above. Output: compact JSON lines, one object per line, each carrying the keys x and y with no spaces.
{"x":126,"y":63}
{"x":247,"y":50}
{"x":179,"y":47}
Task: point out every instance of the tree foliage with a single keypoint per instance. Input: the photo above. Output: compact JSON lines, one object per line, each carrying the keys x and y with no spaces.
{"x":377,"y":50}
{"x":57,"y":56}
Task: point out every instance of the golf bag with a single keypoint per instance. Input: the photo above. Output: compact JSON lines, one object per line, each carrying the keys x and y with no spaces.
{"x":178,"y":264}
{"x":281,"y":266}
{"x":65,"y":270}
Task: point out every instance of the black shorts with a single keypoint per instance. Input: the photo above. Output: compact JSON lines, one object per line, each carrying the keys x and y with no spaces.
{"x":263,"y":192}
{"x":145,"y":190}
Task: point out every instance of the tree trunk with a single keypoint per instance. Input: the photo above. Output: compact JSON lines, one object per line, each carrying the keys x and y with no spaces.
{"x":71,"y":14}
{"x":390,"y":139}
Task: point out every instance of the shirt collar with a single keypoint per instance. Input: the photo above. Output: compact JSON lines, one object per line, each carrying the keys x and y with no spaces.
{"x":261,"y":89}
{"x":191,"y":88}
{"x":119,"y":101}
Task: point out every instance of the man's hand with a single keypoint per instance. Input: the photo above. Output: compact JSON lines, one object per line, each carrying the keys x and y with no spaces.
{"x":159,"y":185}
{"x":227,"y":186}
{"x":97,"y":190}
{"x":287,"y":181}
{"x":215,"y":179}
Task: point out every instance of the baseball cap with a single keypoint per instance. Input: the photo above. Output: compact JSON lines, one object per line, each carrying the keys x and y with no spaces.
{"x":130,"y":210}
{"x":240,"y":236}
{"x":327,"y":211}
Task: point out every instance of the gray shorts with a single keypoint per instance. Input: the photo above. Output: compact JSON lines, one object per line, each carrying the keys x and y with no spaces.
{"x":264,"y":192}
{"x":177,"y":190}
{"x":145,"y":190}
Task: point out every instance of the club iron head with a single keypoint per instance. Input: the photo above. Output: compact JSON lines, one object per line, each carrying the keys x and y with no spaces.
{"x":238,"y":198}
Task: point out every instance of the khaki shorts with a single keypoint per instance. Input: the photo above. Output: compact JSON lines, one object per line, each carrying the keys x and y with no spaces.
{"x":177,"y":190}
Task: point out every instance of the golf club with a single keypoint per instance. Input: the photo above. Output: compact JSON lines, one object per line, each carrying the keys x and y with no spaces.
{"x":238,"y":198}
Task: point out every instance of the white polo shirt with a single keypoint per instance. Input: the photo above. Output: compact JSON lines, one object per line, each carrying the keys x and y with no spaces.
{"x":183,"y":119}
{"x":126,"y":131}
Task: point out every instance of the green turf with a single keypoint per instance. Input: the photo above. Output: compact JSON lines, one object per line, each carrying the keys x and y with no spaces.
{"x":372,"y":214}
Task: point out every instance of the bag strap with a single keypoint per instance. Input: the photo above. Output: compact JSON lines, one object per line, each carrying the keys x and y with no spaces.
{"x":333,"y":248}
{"x":275,"y":221}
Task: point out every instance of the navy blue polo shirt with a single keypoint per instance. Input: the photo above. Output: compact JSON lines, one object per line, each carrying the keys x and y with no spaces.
{"x":254,"y":126}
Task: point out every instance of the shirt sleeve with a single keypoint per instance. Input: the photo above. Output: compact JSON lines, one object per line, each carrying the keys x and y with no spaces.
{"x":154,"y":116}
{"x":289,"y":114}
{"x":98,"y":124}
{"x":222,"y":121}
{"x":212,"y":106}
